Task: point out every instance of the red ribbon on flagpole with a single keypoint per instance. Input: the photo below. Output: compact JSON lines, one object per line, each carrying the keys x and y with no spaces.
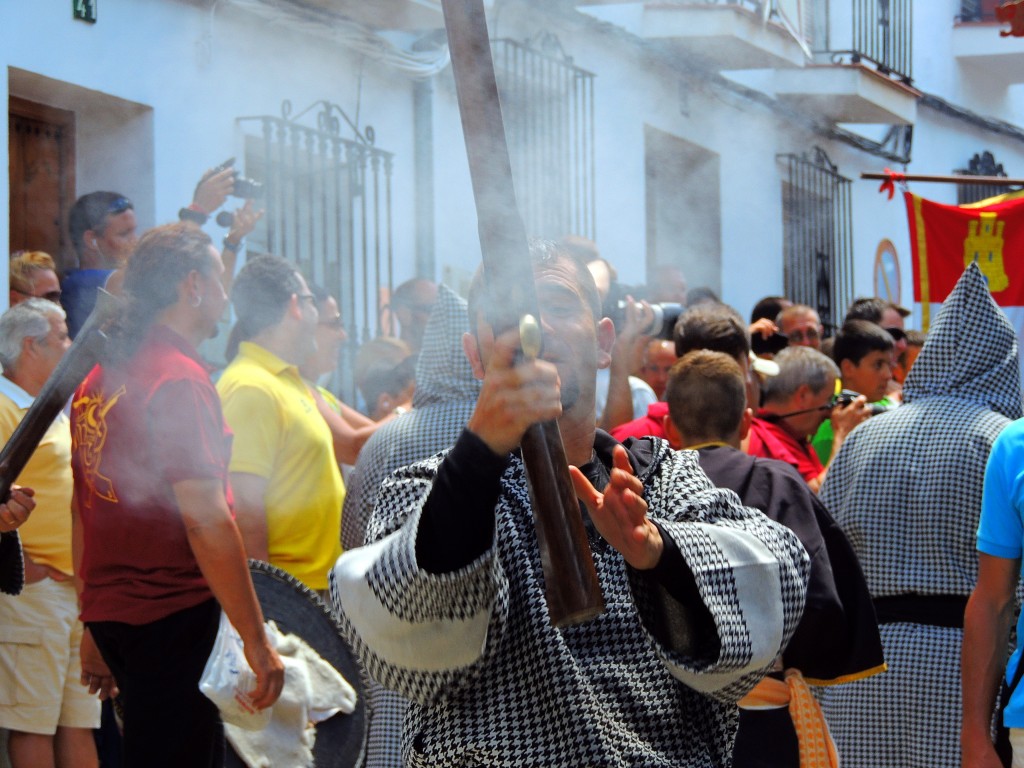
{"x":892,"y":178}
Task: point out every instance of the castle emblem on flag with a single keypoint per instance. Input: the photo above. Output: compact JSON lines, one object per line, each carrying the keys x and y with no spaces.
{"x":984,"y":245}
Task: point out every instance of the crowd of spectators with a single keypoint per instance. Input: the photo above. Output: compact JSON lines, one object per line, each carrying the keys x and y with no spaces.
{"x":866,"y":439}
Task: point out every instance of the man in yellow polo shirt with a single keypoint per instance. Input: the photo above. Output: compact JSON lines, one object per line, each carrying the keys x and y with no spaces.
{"x":287,"y":487}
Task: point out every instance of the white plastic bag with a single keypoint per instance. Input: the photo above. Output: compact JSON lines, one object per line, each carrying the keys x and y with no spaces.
{"x":227,"y":680}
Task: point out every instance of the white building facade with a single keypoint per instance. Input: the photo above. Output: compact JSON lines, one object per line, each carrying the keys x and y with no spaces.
{"x":726,"y":138}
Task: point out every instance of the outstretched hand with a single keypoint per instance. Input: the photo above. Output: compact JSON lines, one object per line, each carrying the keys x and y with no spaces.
{"x":213,"y":189}
{"x":620,"y":513}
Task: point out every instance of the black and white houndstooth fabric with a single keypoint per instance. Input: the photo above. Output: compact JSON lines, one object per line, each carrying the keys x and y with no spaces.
{"x":494,"y":684}
{"x":446,"y":392}
{"x":906,"y":488}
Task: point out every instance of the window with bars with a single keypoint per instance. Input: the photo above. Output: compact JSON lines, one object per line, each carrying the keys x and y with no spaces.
{"x":817,"y":230}
{"x":982,"y":164}
{"x":548,"y":108}
{"x":978,"y":10}
{"x":328,"y":210}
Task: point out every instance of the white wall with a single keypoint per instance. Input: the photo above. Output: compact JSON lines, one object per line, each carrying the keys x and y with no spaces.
{"x":182,"y":74}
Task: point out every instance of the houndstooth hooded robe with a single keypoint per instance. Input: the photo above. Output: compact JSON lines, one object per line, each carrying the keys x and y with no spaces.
{"x":495,"y":684}
{"x":906,"y":488}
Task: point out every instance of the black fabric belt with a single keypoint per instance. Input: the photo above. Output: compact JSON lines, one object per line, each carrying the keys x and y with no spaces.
{"x":934,"y":610}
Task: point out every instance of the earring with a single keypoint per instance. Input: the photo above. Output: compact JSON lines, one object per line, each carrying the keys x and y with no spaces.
{"x":197,"y":300}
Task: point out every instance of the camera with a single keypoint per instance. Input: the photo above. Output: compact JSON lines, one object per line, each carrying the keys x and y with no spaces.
{"x":662,"y":324}
{"x":244,"y":188}
{"x":847,"y":396}
{"x":768,"y":346}
{"x":247,"y":188}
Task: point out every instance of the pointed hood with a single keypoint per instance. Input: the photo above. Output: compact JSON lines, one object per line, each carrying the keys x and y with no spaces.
{"x":443,"y":373}
{"x":970,"y":352}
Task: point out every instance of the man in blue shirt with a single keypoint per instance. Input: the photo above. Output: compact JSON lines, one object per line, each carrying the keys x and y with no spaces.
{"x":991,"y":607}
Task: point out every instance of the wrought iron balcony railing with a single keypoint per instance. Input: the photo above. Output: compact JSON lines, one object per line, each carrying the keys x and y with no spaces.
{"x":881,"y":35}
{"x":977,"y":10}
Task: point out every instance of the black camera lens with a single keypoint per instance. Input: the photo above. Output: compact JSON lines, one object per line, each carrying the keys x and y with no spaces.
{"x":664,"y":321}
{"x":247,"y":188}
{"x":847,"y":396}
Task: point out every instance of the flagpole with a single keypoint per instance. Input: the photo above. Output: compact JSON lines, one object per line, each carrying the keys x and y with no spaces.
{"x":951,"y":179}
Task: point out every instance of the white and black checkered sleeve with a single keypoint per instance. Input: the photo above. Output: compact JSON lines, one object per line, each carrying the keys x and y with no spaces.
{"x":750,"y":573}
{"x":416,"y":632}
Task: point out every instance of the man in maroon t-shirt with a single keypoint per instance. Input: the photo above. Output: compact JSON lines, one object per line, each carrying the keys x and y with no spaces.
{"x":156,"y":547}
{"x":794,"y":404}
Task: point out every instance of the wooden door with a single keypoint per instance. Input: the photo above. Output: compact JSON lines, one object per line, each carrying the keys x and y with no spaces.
{"x":41,"y":147}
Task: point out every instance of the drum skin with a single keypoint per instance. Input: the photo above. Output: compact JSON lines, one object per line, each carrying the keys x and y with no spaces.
{"x":340,"y":740}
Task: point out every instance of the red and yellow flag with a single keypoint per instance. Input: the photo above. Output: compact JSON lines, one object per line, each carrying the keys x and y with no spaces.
{"x":944,"y":239}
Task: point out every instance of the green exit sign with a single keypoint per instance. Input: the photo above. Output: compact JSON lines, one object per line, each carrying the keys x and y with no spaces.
{"x":84,"y":10}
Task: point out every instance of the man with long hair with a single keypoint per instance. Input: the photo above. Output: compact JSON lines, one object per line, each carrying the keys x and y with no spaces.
{"x":156,"y":548}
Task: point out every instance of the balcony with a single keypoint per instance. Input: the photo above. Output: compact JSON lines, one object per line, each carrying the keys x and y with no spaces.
{"x":723,"y":36}
{"x":400,"y":15}
{"x":848,"y":93}
{"x":979,"y":48}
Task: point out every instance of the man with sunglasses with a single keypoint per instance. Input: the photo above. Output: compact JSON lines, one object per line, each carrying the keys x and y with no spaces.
{"x":287,"y":485}
{"x":883,"y":313}
{"x":33,"y":275}
{"x":794,"y":405}
{"x":103,"y":227}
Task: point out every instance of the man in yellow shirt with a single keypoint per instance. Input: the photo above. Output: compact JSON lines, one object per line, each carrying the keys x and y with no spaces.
{"x":42,"y":702}
{"x":287,"y":486}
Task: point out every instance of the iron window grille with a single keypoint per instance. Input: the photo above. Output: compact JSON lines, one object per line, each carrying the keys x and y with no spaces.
{"x":982,"y":164}
{"x":328,"y":210}
{"x":548,"y":107}
{"x":881,"y":35}
{"x":818,"y":235}
{"x":977,"y":10}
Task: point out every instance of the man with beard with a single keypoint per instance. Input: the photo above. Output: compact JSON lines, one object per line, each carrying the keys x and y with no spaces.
{"x":446,"y":605}
{"x":156,"y":548}
{"x":288,"y":488}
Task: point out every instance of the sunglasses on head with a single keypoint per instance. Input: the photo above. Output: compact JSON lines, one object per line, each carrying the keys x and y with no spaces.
{"x":117,"y":206}
{"x":120,"y":205}
{"x":53,"y":296}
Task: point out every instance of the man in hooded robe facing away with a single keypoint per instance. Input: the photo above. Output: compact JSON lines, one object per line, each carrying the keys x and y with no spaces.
{"x":906,"y":487}
{"x":446,"y":392}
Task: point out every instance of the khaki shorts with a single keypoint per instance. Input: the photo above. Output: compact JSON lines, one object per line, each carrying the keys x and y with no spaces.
{"x":1017,"y":743}
{"x":40,"y":670}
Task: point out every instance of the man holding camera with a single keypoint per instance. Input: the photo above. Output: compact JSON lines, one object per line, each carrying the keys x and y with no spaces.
{"x":794,"y":404}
